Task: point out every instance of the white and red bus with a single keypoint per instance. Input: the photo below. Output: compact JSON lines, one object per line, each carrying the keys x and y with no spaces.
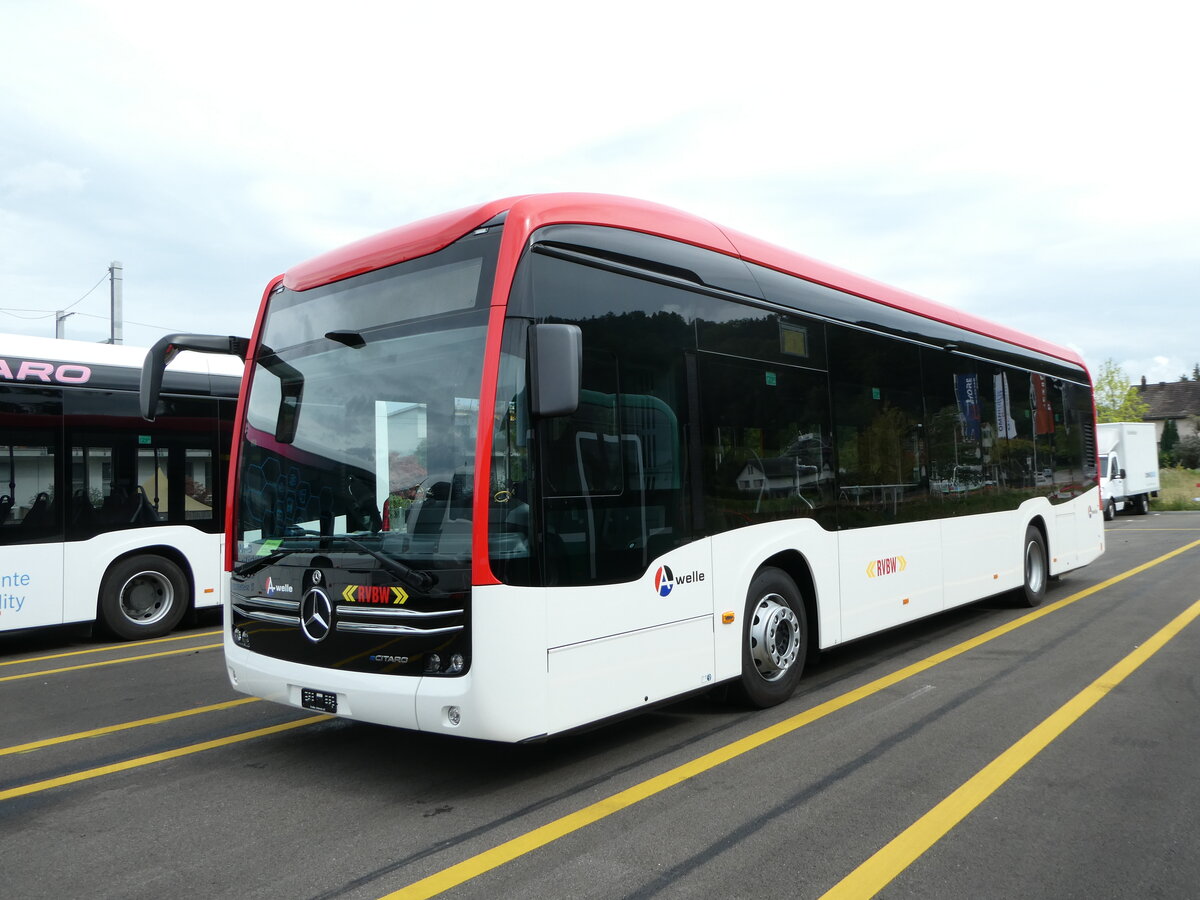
{"x":104,"y":517}
{"x":523,"y":467}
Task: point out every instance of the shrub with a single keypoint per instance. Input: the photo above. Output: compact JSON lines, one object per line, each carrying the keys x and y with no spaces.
{"x":1187,"y":452}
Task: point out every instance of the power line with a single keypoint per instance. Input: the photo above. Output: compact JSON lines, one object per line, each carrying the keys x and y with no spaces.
{"x":127,"y":321}
{"x":13,"y":310}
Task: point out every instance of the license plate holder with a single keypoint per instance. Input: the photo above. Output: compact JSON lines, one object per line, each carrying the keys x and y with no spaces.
{"x":323,"y":701}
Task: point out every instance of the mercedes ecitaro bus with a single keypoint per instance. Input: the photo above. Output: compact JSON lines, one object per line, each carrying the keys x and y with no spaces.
{"x":519,"y":468}
{"x":104,"y":517}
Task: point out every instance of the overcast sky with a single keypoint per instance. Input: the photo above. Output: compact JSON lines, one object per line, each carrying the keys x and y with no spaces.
{"x":1034,"y":163}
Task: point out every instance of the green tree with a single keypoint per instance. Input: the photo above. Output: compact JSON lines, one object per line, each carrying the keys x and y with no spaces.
{"x":1117,"y":400}
{"x":1167,"y":443}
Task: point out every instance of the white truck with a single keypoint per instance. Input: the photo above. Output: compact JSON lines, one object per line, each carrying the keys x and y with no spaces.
{"x":1128,"y":466}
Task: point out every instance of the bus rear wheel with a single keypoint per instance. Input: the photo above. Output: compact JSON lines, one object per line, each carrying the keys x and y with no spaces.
{"x":1037,"y":569}
{"x":142,"y":596}
{"x":774,"y":640}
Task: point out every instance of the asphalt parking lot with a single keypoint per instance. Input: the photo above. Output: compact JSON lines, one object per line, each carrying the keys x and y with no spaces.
{"x":991,"y":751}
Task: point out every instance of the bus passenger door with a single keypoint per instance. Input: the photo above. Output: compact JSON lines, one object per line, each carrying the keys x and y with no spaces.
{"x":630,"y":617}
{"x":31,"y":512}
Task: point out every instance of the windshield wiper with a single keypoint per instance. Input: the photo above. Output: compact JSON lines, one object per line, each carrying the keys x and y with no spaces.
{"x":261,"y":562}
{"x":414,"y":578}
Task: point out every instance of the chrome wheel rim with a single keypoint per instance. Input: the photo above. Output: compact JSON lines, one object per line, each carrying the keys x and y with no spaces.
{"x":774,"y":637}
{"x":1035,"y":567}
{"x":147,"y":597}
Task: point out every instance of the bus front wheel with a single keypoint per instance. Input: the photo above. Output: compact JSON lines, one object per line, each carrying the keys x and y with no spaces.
{"x":774,"y":639}
{"x":1037,"y":569}
{"x":142,"y":596}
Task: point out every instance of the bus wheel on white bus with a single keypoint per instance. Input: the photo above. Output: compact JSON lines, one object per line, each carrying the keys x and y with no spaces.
{"x":774,"y":639}
{"x":143,"y":596}
{"x":1110,"y":510}
{"x":1037,"y":569}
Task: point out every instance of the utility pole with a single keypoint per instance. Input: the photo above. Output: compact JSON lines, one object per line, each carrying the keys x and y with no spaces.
{"x":60,"y":323}
{"x":116,"y":280}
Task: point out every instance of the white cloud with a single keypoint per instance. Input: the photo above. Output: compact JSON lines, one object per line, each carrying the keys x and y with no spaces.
{"x":1032,"y":162}
{"x":41,"y":178}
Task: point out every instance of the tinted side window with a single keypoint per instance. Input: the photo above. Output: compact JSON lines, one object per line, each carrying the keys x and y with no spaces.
{"x":31,"y":506}
{"x":878,"y":418}
{"x":126,"y":472}
{"x":767,"y":443}
{"x":614,"y":473}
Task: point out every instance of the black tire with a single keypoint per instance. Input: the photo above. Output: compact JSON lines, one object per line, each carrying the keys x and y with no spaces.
{"x":1141,"y":505}
{"x":1110,"y":510}
{"x":774,"y":640}
{"x":1036,"y":565}
{"x":143,"y":596}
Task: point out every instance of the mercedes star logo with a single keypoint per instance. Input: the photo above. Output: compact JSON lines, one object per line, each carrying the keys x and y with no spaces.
{"x":316,"y":615}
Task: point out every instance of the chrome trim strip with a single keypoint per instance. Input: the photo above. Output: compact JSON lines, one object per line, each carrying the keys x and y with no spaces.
{"x":372,"y":628}
{"x":271,"y":603}
{"x":276,"y":618}
{"x":391,"y":612}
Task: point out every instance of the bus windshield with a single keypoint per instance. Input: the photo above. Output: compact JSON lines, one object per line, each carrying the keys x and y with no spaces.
{"x":361,"y":414}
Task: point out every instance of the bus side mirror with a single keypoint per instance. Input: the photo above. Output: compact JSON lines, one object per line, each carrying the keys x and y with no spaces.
{"x":166,"y":349}
{"x":555,"y":369}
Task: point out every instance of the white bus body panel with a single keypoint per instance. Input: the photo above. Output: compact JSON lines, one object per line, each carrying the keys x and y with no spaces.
{"x":546,"y":660}
{"x":891,"y":575}
{"x":31,"y":586}
{"x":59,"y":583}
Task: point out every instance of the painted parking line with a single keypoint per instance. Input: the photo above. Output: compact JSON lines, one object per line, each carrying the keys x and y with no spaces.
{"x":109,"y":648}
{"x":881,"y":869}
{"x":109,"y":662}
{"x":512,"y":849}
{"x":125,"y":726}
{"x":124,"y":766}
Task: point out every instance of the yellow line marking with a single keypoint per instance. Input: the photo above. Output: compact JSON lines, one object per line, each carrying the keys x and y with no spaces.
{"x":506,"y":852}
{"x":878,"y":871}
{"x":125,"y":726}
{"x":110,"y":647}
{"x":76,"y":777}
{"x":110,"y":662}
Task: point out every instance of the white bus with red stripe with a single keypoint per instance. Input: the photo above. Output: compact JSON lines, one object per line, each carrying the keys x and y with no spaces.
{"x":524,"y":467}
{"x":104,"y":517}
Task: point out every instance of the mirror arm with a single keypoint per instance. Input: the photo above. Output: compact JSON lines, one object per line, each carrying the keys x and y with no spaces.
{"x":167,"y":348}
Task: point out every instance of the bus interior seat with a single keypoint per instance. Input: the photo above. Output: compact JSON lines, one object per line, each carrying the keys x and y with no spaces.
{"x":144,"y":512}
{"x":426,"y":515}
{"x":41,"y":514}
{"x":83,"y":515}
{"x":128,"y":505}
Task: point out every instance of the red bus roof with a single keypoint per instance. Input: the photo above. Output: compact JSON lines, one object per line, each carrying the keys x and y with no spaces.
{"x":528,"y":213}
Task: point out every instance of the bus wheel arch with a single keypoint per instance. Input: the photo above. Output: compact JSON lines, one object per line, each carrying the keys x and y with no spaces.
{"x":144,"y":593}
{"x":778,"y":631}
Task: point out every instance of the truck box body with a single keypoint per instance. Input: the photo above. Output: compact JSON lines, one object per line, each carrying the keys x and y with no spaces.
{"x":1128,"y":466}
